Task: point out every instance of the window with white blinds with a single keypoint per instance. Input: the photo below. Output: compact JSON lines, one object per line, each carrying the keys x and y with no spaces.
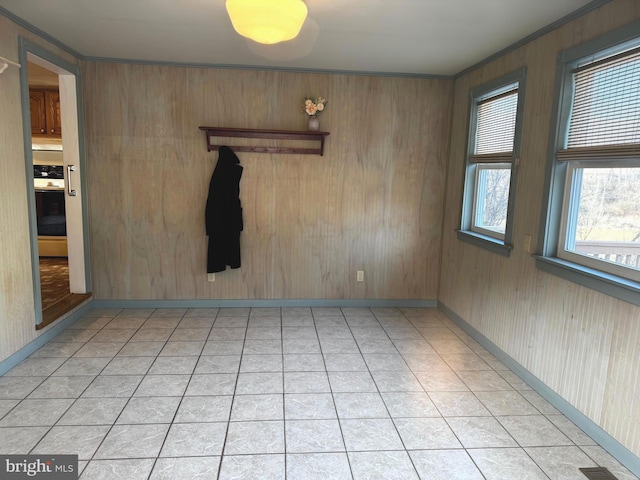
{"x":600,"y":226}
{"x":493,"y":145}
{"x":495,"y":128}
{"x":605,"y":112}
{"x":592,"y":222}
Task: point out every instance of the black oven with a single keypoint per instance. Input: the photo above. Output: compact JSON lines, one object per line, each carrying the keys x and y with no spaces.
{"x":48,"y":172}
{"x":50,"y":198}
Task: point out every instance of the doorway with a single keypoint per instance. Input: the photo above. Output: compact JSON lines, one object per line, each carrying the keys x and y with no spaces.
{"x":54,"y":160}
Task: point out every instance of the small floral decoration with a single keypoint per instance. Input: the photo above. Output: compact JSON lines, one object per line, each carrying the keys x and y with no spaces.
{"x":314,"y":107}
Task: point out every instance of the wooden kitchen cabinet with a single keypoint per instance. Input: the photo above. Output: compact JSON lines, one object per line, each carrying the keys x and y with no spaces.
{"x":45,"y":113}
{"x":37,"y":105}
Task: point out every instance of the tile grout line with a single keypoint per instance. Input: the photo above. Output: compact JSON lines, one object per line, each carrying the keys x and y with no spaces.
{"x":284,"y":416}
{"x":418,"y":380}
{"x":132,"y":393}
{"x":235,"y":388}
{"x":175,"y":414}
{"x":331,"y":392}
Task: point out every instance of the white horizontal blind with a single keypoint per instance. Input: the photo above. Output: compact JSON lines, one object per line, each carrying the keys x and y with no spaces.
{"x":495,"y":128}
{"x":606,"y":106}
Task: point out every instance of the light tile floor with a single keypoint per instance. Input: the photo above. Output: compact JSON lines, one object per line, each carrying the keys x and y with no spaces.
{"x":295,"y":393}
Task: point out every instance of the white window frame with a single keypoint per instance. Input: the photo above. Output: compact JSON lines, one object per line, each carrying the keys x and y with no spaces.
{"x":477,"y":197}
{"x":569,"y":210}
{"x":497,"y":242}
{"x":600,"y":275}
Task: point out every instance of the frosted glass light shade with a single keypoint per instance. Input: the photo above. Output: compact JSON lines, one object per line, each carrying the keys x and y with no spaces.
{"x":267,"y":21}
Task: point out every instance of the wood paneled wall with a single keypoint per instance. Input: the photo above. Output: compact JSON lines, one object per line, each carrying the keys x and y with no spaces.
{"x":583,"y":344}
{"x":373,"y":202}
{"x":17,"y":317}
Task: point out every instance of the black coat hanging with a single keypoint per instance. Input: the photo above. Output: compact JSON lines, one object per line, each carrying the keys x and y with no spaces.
{"x":223,"y":213}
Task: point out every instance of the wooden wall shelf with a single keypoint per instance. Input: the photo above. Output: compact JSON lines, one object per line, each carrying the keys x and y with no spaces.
{"x":271,"y":134}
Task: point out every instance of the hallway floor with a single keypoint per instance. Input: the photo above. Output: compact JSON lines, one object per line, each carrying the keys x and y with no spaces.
{"x":295,"y":393}
{"x":54,"y":280}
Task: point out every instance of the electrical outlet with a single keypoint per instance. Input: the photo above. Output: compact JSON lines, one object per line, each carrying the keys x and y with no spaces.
{"x":360,"y":276}
{"x":211,"y":277}
{"x":527,"y":243}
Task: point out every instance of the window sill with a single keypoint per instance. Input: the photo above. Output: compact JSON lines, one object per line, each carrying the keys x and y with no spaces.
{"x":618,"y":287}
{"x":483,"y":241}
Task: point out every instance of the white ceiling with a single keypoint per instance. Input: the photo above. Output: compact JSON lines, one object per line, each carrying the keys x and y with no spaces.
{"x":419,"y":37}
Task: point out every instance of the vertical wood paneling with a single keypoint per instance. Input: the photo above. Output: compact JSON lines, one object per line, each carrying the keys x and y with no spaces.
{"x":583,"y":344}
{"x":373,"y":202}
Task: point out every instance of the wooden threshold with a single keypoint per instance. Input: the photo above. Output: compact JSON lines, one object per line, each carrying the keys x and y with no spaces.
{"x":62,"y":306}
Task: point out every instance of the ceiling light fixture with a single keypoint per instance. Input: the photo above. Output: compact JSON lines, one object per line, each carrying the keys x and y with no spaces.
{"x":267,"y":21}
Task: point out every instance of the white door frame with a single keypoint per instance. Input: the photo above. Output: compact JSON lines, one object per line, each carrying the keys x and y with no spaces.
{"x":74,"y":154}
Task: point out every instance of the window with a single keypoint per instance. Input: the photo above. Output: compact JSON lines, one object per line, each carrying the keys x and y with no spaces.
{"x":593,"y":221}
{"x":491,"y":163}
